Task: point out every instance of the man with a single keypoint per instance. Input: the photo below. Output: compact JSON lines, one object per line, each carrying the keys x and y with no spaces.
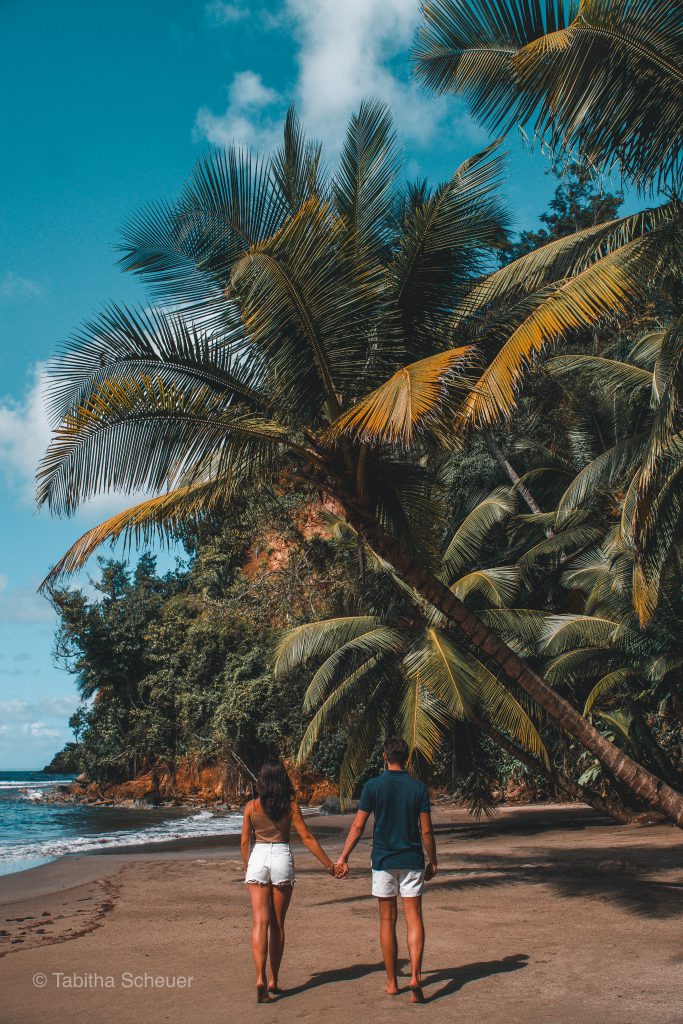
{"x":403,"y":824}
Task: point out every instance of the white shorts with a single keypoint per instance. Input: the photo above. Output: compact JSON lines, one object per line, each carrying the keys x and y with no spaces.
{"x":270,"y":864}
{"x":406,"y":881}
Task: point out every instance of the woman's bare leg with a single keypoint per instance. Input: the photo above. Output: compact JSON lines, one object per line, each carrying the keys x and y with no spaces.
{"x":281,"y":896}
{"x":387,"y":938}
{"x":412,"y":908}
{"x":260,"y":908}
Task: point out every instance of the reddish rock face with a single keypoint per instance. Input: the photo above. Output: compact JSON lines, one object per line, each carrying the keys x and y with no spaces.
{"x":216,"y":783}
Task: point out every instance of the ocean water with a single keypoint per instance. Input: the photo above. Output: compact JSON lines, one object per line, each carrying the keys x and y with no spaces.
{"x":33,"y":832}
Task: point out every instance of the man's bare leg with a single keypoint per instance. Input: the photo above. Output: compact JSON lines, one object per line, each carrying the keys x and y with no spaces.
{"x":412,"y":908}
{"x":387,"y":936}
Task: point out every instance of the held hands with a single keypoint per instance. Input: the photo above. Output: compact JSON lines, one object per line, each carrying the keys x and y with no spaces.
{"x":430,"y":871}
{"x":338,"y":870}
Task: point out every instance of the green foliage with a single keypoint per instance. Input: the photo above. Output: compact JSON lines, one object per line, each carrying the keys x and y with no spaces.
{"x":182,"y":664}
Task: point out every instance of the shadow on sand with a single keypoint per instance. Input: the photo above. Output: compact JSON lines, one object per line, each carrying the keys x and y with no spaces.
{"x":454,"y":977}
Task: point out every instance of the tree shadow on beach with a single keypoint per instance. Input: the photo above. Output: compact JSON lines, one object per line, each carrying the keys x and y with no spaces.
{"x":522,"y":822}
{"x":607,"y":873}
{"x":457,"y":977}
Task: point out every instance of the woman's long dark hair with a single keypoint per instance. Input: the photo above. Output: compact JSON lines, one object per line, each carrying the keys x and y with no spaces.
{"x":275,"y":790}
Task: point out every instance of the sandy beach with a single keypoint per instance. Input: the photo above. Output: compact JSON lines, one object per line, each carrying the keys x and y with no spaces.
{"x":550,"y":915}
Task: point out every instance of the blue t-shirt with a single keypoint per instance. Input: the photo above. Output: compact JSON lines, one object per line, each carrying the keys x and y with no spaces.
{"x":396,"y":799}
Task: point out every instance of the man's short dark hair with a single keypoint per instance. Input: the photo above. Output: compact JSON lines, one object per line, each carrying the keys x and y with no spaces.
{"x":396,"y":750}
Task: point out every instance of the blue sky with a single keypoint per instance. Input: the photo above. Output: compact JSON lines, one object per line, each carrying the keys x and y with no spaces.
{"x":104,"y":108}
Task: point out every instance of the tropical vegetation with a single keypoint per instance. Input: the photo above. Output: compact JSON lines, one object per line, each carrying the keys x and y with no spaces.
{"x":357,"y":335}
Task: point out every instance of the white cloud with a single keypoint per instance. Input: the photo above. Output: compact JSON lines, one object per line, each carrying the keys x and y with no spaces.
{"x":23,"y":604}
{"x":243,"y":120}
{"x":31,"y":731}
{"x":26,"y":712}
{"x":24,"y":436}
{"x":345,"y":52}
{"x":225,"y":14}
{"x":13,"y":286}
{"x":36,"y":730}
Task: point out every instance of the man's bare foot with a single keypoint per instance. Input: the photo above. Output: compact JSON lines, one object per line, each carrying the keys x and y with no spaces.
{"x":273,"y":988}
{"x":262,"y":994}
{"x":416,"y":993}
{"x":391,"y":988}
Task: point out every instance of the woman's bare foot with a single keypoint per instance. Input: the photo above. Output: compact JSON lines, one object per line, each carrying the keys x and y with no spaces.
{"x":273,"y":988}
{"x":416,"y":993}
{"x":262,"y":994}
{"x":391,"y":988}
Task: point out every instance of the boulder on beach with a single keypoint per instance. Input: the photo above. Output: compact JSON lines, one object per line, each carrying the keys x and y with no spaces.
{"x":330,"y":805}
{"x":151,"y":798}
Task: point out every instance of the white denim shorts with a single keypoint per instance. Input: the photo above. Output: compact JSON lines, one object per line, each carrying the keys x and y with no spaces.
{"x":406,"y":881}
{"x":270,"y":864}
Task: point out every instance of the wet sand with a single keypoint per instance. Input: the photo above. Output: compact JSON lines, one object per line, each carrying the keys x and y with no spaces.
{"x":550,"y":915}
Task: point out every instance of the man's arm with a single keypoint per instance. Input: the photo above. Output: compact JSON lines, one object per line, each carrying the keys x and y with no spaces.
{"x":355,"y":832}
{"x":429,"y":843}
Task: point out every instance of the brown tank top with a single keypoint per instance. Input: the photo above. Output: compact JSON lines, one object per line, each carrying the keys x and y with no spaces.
{"x":265,"y":829}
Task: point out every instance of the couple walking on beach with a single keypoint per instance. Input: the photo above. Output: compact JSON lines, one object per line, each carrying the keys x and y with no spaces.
{"x":402,"y":834}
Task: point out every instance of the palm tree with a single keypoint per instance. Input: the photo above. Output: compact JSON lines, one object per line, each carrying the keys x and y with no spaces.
{"x":399,"y":668}
{"x":616,"y":424}
{"x":599,"y":80}
{"x":288,"y":300}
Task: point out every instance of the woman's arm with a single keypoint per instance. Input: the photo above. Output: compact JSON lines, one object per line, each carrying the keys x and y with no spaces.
{"x":245,"y":842}
{"x":309,"y":840}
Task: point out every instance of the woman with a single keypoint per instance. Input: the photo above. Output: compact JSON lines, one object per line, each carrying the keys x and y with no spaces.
{"x":269,"y":868}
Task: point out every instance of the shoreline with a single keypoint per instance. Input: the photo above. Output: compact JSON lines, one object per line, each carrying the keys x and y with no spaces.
{"x":326,"y":827}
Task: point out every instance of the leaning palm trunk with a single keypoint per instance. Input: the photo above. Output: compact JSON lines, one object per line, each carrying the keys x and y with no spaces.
{"x":612,"y":808}
{"x":656,"y":794}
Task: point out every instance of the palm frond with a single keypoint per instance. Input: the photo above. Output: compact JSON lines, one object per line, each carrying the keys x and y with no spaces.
{"x":303,"y":312}
{"x":339,"y":704}
{"x":125,"y":343}
{"x":607,"y":374}
{"x":467,"y":688}
{"x":368,"y":730}
{"x":499,"y":586}
{"x":565,"y":257}
{"x":465,"y":546}
{"x":577,"y":72}
{"x":605,"y":687}
{"x":185,"y":250}
{"x":423,"y":719}
{"x":139,"y":435}
{"x":410,"y":400}
{"x":605,"y":473}
{"x":296,"y":166}
{"x":363,"y":187}
{"x":446,"y":241}
{"x":610,"y":286}
{"x":319,"y":639}
{"x":374,"y":645}
{"x":162,"y":516}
